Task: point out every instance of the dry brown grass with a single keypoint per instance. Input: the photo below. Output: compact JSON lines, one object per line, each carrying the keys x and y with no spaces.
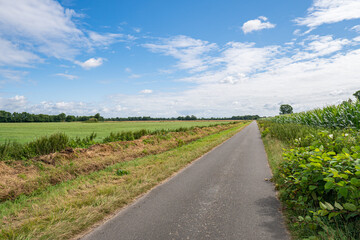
{"x":70,"y":208}
{"x":18,"y":178}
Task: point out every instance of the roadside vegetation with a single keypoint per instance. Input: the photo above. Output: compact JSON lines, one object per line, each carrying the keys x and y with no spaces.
{"x":27,"y":132}
{"x":51,"y":160}
{"x":92,"y":183}
{"x":316,"y":167}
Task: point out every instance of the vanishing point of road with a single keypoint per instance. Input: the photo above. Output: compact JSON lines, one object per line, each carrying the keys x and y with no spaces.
{"x":222,"y":195}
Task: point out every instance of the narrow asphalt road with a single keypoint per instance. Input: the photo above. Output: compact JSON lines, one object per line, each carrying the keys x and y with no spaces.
{"x":222,"y":195}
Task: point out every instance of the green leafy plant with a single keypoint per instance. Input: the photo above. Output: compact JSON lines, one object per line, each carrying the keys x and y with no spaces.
{"x":121,"y":172}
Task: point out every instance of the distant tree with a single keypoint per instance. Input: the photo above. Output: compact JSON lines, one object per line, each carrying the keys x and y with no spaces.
{"x":286,"y":109}
{"x":97,"y":116}
{"x":357,"y":95}
{"x":61,"y":117}
{"x":70,"y":118}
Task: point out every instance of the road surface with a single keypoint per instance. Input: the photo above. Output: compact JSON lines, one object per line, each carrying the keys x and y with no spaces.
{"x":222,"y":195}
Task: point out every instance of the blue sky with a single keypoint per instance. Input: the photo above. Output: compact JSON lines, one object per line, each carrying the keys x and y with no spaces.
{"x":171,"y":58}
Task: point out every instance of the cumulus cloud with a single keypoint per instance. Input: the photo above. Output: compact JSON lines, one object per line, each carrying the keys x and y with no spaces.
{"x":146,"y":91}
{"x":14,"y":103}
{"x":330,"y":11}
{"x":91,"y":63}
{"x":257,"y":25}
{"x":190,"y":52}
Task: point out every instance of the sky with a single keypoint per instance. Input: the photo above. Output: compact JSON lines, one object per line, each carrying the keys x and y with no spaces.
{"x":161,"y":58}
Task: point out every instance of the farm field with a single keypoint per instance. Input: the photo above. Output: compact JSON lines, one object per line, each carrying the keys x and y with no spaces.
{"x":26,"y":132}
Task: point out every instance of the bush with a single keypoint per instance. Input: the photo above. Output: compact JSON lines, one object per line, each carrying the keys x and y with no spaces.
{"x":83,"y":142}
{"x":45,"y":145}
{"x":323,"y":179}
{"x":319,"y":178}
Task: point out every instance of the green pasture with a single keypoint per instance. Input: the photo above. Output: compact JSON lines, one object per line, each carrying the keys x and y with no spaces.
{"x":25,"y":132}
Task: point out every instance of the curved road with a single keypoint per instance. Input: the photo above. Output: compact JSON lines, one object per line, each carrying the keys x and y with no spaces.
{"x":222,"y":195}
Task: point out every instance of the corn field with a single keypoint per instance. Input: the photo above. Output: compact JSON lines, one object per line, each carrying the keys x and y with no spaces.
{"x":345,"y":115}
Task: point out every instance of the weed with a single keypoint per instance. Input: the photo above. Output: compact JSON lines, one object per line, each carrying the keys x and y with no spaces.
{"x":121,"y":172}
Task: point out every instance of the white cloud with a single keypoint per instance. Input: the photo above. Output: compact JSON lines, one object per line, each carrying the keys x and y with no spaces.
{"x":44,"y":27}
{"x":12,"y":75}
{"x":330,"y":11}
{"x":136,"y":29}
{"x":10,"y":55}
{"x":190,"y":52}
{"x":356,"y":28}
{"x":356,"y":39}
{"x":256,"y":25}
{"x":68,"y":76}
{"x":146,"y":91}
{"x":105,"y":39}
{"x":17,"y":103}
{"x":45,"y":23}
{"x":317,"y":46}
{"x":91,"y":63}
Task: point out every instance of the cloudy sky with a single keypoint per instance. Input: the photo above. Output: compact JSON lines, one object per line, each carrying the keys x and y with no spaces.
{"x":165,"y":58}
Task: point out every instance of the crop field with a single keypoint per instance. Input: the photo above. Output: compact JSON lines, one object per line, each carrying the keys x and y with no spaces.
{"x":26,"y":132}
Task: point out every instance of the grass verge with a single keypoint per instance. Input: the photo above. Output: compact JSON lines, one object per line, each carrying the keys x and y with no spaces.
{"x":25,"y":177}
{"x":69,"y":208}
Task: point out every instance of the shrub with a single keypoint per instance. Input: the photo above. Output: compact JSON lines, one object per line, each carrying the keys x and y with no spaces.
{"x":322,"y":179}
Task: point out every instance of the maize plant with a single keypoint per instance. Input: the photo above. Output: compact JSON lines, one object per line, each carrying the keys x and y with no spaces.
{"x":345,"y":115}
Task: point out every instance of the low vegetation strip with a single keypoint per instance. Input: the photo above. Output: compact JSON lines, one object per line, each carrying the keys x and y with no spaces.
{"x":24,"y":177}
{"x":317,"y":171}
{"x":69,"y":208}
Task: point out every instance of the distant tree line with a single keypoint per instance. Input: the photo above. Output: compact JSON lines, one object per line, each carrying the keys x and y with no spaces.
{"x":185,"y":118}
{"x":62,"y":117}
{"x":29,"y":117}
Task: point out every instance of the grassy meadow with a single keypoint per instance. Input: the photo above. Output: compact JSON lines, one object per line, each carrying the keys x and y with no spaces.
{"x":26,"y":132}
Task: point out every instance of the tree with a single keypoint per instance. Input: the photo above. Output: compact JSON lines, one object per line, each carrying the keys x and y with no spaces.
{"x":357,"y":95}
{"x":97,"y":116}
{"x":61,"y":117}
{"x":286,"y":109}
{"x":70,"y":118}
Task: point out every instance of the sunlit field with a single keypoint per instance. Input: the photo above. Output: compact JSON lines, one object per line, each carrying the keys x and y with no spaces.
{"x":25,"y":132}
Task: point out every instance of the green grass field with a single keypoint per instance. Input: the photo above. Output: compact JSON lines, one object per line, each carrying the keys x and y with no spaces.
{"x":25,"y":132}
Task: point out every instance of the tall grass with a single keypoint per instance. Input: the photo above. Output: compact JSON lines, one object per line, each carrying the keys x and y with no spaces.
{"x":345,"y":115}
{"x":60,"y":141}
